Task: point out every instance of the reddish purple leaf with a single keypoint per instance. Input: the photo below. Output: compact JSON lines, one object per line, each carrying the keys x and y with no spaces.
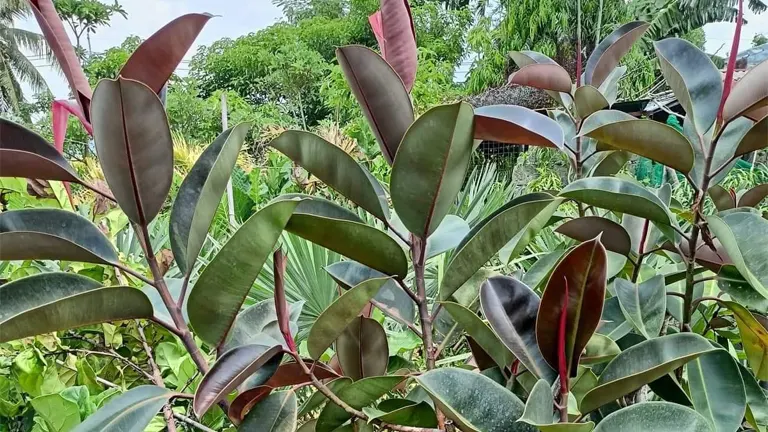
{"x":397,"y":38}
{"x":562,"y":365}
{"x":517,"y":125}
{"x":53,"y":30}
{"x":156,"y":58}
{"x":749,"y":96}
{"x":545,"y":76}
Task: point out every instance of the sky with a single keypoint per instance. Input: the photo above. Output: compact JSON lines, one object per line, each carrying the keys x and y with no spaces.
{"x":236,"y":18}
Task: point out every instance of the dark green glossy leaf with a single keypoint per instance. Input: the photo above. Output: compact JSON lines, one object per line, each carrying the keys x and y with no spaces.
{"x":317,"y":398}
{"x":399,"y":305}
{"x":221,"y":289}
{"x":618,"y":195}
{"x":588,"y":100}
{"x":358,"y":395}
{"x":757,"y":403}
{"x":427,"y":178}
{"x":134,"y":146}
{"x":26,"y":154}
{"x":607,"y":163}
{"x":514,"y":124}
{"x":717,"y":390}
{"x":614,"y":237}
{"x":49,"y":302}
{"x":644,"y":304}
{"x":276,"y":413}
{"x":324,"y":223}
{"x":52,"y":234}
{"x":518,"y":221}
{"x":334,"y":167}
{"x":539,"y":408}
{"x":643,"y":137}
{"x":730,"y":281}
{"x":404,"y":412}
{"x":610,"y":50}
{"x":754,"y":196}
{"x":743,"y":235}
{"x":721,"y":198}
{"x":581,"y":277}
{"x":656,"y":417}
{"x":200,"y":195}
{"x":599,"y":349}
{"x":257,"y":324}
{"x":642,"y":364}
{"x":613,"y":323}
{"x":481,"y":333}
{"x":362,"y":349}
{"x":754,"y":139}
{"x":130,"y":412}
{"x":539,"y":272}
{"x":474,"y":402}
{"x":754,"y":337}
{"x":447,"y":236}
{"x":749,"y":94}
{"x":380,"y":93}
{"x":511,"y":309}
{"x":231,"y":369}
{"x":332,"y":322}
{"x":694,"y":79}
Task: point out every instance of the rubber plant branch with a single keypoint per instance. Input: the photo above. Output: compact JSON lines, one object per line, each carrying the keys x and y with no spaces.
{"x":157,"y":377}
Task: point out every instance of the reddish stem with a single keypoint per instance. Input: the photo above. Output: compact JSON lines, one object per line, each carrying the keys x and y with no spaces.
{"x":731,"y":62}
{"x":563,"y":363}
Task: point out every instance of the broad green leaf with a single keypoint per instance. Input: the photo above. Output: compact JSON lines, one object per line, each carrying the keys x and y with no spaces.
{"x":757,"y":402}
{"x":49,"y":302}
{"x":399,"y":305}
{"x":539,"y":272}
{"x":130,"y":412}
{"x":134,"y":146}
{"x":86,"y":376}
{"x":317,"y":398}
{"x":614,"y":237}
{"x":648,"y":138}
{"x":644,"y":304}
{"x":474,"y":402}
{"x":545,"y":76}
{"x":362,"y":349}
{"x":380,"y":93}
{"x":749,"y":94}
{"x":358,"y":395}
{"x":610,"y":87}
{"x":43,"y":233}
{"x":754,"y":196}
{"x":200,"y":195}
{"x":754,"y":337}
{"x":610,"y":50}
{"x":743,"y":235}
{"x":25,"y":154}
{"x":331,"y":226}
{"x":404,"y":412}
{"x":730,"y":281}
{"x":481,"y":333}
{"x":717,"y":390}
{"x":258,"y":324}
{"x":514,"y":124}
{"x":642,"y":364}
{"x":694,"y":79}
{"x":599,"y":349}
{"x":511,"y":309}
{"x":613,"y":322}
{"x":447,"y":236}
{"x":721,"y":198}
{"x":518,"y":221}
{"x":754,"y":139}
{"x":588,"y":100}
{"x":539,"y":408}
{"x":276,"y":413}
{"x":607,"y":163}
{"x":332,"y":322}
{"x":222,"y":287}
{"x":580,"y":277}
{"x":60,"y":414}
{"x":334,"y":167}
{"x":231,"y":369}
{"x":619,"y":195}
{"x":656,"y":417}
{"x":427,"y":178}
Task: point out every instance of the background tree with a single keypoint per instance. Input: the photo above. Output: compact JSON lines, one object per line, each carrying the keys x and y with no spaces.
{"x":759,"y":39}
{"x":15,"y":67}
{"x":85,"y":16}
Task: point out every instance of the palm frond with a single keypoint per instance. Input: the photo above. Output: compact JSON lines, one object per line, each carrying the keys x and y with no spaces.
{"x":26,"y":71}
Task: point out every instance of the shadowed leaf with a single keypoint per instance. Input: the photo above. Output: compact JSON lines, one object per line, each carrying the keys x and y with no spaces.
{"x":614,"y":237}
{"x":599,"y":349}
{"x":754,"y":196}
{"x":721,"y":198}
{"x":258,"y":324}
{"x":362,"y":349}
{"x":480,"y":333}
{"x":754,"y":139}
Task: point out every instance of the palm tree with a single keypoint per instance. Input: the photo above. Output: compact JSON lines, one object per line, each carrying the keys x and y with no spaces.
{"x":15,"y":67}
